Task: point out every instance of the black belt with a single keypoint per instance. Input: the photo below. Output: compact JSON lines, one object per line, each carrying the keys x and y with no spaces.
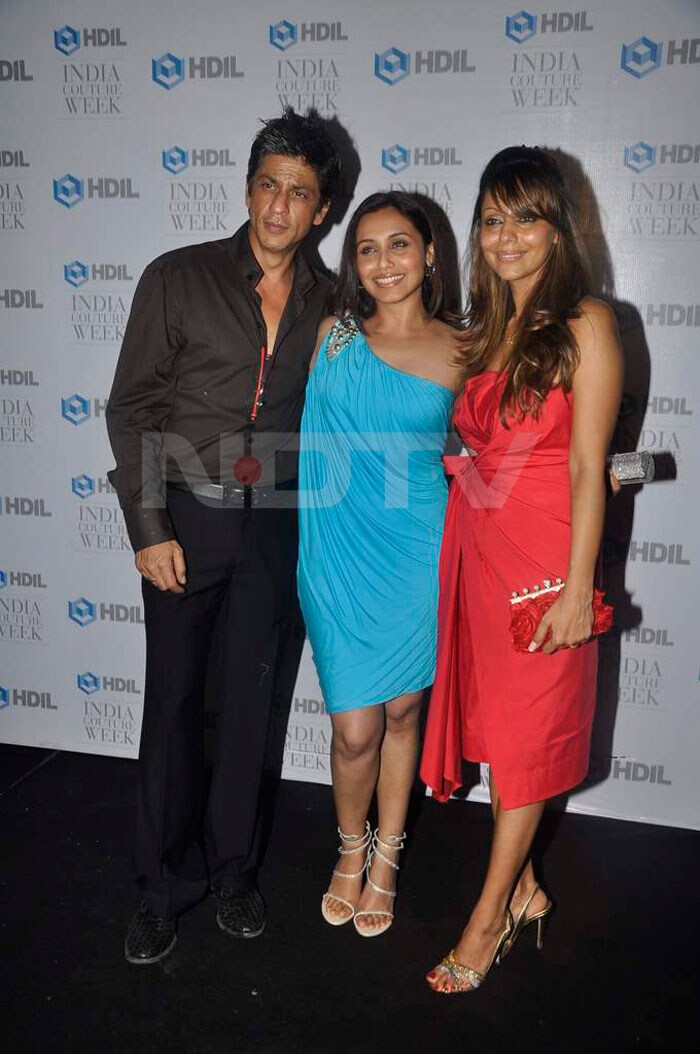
{"x":231,"y":496}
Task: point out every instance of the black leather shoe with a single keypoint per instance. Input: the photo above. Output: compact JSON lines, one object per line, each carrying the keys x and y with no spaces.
{"x":241,"y":912}
{"x":149,"y":937}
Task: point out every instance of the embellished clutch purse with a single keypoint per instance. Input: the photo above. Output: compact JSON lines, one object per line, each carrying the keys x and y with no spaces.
{"x":528,"y":607}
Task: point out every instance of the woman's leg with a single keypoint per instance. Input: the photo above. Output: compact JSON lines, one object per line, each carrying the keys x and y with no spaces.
{"x":357,"y":735}
{"x":399,"y":754}
{"x":514,"y":830}
{"x":526,"y":880}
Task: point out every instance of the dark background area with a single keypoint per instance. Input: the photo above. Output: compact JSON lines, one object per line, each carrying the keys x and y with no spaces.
{"x":618,"y":971}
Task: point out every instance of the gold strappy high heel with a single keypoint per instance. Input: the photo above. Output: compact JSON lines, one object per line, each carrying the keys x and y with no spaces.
{"x":466,"y":978}
{"x":523,"y":920}
{"x":359,"y":843}
{"x":393,"y":842}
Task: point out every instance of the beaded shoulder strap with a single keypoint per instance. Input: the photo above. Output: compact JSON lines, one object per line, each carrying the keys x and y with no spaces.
{"x":341,"y":333}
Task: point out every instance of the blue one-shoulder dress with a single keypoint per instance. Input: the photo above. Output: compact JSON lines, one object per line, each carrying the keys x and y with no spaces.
{"x":372,"y":496}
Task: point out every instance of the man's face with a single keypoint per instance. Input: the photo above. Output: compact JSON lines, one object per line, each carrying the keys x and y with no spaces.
{"x":284,"y":203}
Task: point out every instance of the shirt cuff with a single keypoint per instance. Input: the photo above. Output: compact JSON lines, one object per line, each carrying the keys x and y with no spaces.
{"x":147,"y":526}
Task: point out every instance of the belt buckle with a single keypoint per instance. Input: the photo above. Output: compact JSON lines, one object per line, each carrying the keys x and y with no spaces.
{"x":232,"y":495}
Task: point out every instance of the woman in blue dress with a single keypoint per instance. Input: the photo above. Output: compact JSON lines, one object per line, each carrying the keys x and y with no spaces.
{"x":372,"y":503}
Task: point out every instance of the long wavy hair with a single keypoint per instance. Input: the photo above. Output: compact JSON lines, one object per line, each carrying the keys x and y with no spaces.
{"x":349,"y":297}
{"x":527,"y":181}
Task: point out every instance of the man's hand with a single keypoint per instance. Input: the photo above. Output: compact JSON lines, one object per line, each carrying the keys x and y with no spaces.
{"x":163,"y":565}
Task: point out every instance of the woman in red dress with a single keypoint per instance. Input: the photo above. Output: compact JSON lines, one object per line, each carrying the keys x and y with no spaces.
{"x":543,"y":371}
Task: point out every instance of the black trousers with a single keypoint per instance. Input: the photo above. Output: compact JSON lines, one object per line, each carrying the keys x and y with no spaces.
{"x":192,"y":832}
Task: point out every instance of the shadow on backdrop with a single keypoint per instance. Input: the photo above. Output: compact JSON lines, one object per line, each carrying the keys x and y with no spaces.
{"x":629,"y":435}
{"x":340,"y":204}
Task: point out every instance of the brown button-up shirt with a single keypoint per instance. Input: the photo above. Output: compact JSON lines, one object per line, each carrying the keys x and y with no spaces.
{"x":193,"y":358}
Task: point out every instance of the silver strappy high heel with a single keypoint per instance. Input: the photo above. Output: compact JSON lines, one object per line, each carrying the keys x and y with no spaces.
{"x":394,"y":842}
{"x":349,"y":844}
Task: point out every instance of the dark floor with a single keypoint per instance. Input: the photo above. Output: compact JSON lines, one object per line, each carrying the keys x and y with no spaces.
{"x":618,"y":972}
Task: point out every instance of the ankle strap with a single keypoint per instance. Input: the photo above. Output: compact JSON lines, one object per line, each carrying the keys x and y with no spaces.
{"x":357,"y":842}
{"x":393,"y":841}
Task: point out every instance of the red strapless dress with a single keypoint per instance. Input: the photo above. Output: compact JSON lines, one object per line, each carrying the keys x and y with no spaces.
{"x":508,"y":526}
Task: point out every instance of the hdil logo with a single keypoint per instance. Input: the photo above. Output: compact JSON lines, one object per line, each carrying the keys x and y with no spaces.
{"x":25,"y":697}
{"x":13,"y":159}
{"x":639,"y":772}
{"x":659,"y":638}
{"x":75,"y":409}
{"x":393,"y":65}
{"x":77,"y":273}
{"x":27,"y":299}
{"x":19,"y":505}
{"x":88,"y":682}
{"x":22,"y":580}
{"x":67,"y":39}
{"x":169,"y":70}
{"x":523,"y":26}
{"x":641,"y":57}
{"x":309,"y":706}
{"x":644,"y":55}
{"x":175,"y":160}
{"x":396,"y":158}
{"x":657,"y":553}
{"x":667,"y":405}
{"x":130,"y":613}
{"x":672,"y":315}
{"x":69,"y":190}
{"x":284,"y":34}
{"x":81,"y":611}
{"x":640,"y":156}
{"x":14,"y":70}
{"x":82,"y":486}
{"x":17,"y":378}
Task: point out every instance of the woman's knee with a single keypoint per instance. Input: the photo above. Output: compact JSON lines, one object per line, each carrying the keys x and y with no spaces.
{"x":402,"y":716}
{"x":353,"y":741}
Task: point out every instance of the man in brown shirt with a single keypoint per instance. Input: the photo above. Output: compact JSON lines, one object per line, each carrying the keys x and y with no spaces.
{"x":203,"y":420}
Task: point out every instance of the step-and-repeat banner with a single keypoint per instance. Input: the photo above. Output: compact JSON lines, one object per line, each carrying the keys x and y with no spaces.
{"x":126,"y":130}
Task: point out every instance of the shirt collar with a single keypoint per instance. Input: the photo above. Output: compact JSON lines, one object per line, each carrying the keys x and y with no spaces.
{"x":246,"y":260}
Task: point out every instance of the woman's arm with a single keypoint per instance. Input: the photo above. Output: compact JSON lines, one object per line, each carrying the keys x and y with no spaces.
{"x":597,"y":389}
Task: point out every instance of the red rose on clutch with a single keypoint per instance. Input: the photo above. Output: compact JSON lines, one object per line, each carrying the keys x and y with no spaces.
{"x":526,"y":614}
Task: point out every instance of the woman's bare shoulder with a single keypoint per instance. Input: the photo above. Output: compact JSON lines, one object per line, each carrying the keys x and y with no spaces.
{"x":323,"y":330}
{"x":596,"y":318}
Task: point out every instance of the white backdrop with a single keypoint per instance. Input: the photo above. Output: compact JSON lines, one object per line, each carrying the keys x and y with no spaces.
{"x":126,"y":129}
